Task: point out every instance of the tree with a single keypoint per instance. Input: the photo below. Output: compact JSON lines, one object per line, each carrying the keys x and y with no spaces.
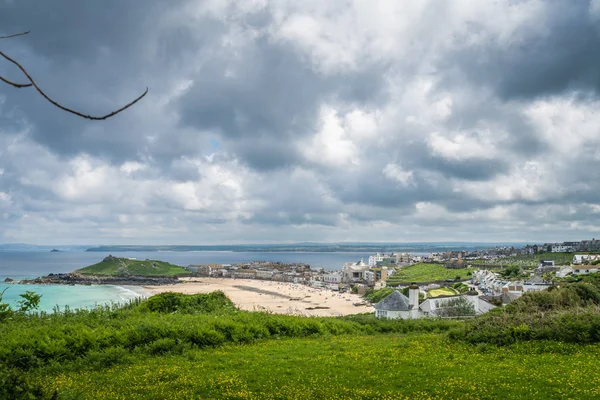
{"x":458,"y":307}
{"x":512,"y":271}
{"x":32,"y":83}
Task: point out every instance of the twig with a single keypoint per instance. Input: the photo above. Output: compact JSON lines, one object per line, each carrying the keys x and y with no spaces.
{"x":14,"y":35}
{"x":55,"y":103}
{"x":17,"y":85}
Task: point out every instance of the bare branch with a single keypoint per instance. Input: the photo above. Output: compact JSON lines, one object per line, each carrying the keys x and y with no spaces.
{"x":14,"y":35}
{"x":90,"y":117}
{"x":17,"y":85}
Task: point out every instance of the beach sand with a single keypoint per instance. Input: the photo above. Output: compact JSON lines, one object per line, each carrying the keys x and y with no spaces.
{"x":276,"y":297}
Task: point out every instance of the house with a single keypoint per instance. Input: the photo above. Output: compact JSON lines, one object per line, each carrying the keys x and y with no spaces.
{"x":546,"y":263}
{"x":402,"y":258}
{"x":437,"y":305}
{"x":585,"y":258}
{"x":585,"y":269}
{"x":264,"y":274}
{"x":204,"y":270}
{"x":244,"y":274}
{"x":566,"y":247}
{"x":396,"y":305}
{"x":564,"y":271}
{"x":354,"y":272}
{"x":332,"y":278}
{"x":373,"y":260}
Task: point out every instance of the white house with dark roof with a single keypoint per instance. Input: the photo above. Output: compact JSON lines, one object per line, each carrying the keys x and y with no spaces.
{"x":585,"y":269}
{"x":396,"y":305}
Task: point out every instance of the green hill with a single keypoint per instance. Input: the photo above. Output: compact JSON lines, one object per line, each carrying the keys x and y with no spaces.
{"x":114,"y":266}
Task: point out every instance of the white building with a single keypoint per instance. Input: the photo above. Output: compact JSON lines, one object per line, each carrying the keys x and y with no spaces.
{"x":581,"y":258}
{"x":264,"y":274}
{"x":354,"y":272}
{"x":373,"y":260}
{"x":585,"y":269}
{"x":402,"y":258}
{"x":332,"y":277}
{"x":396,"y":305}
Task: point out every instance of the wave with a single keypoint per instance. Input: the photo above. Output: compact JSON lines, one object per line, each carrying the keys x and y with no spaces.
{"x":131,"y":292}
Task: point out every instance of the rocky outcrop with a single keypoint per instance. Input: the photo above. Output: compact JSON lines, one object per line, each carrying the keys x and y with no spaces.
{"x":79,"y":279}
{"x":9,"y":280}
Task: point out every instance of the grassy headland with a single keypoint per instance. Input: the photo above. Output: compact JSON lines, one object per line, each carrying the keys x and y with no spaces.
{"x":114,"y":266}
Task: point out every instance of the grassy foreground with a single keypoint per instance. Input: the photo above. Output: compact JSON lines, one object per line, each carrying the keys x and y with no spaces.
{"x":417,"y":366}
{"x":174,"y":346}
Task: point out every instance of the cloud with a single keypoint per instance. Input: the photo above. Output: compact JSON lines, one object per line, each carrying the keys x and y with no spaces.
{"x":302,"y":121}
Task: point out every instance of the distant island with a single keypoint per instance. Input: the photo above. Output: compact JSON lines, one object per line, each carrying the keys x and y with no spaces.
{"x":55,"y":251}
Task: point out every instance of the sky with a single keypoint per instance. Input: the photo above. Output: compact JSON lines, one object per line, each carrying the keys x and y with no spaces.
{"x":288,"y":121}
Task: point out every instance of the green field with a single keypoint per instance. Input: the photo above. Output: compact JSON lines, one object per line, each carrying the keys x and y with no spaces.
{"x":425,"y":273}
{"x":114,"y":266}
{"x":528,"y":260}
{"x":441,"y":292}
{"x":391,"y":366}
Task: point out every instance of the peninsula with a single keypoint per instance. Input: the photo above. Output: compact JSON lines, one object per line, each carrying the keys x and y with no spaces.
{"x":118,"y":271}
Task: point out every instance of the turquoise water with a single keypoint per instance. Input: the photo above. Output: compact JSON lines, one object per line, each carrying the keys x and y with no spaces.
{"x":28,"y":265}
{"x":77,"y":296}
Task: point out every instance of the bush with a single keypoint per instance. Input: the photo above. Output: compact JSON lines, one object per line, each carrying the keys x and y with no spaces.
{"x":567,"y":314}
{"x":15,"y":385}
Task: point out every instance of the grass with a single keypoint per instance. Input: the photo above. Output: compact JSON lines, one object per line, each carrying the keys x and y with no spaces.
{"x":201,"y":346}
{"x":393,"y":366}
{"x":422,"y":272}
{"x":114,"y":266}
{"x":528,"y":260}
{"x":444,"y":291}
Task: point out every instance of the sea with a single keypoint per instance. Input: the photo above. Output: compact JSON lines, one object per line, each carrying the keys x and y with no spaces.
{"x":19,"y":265}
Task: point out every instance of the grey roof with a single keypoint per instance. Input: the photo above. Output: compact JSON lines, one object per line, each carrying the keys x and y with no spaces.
{"x":395,"y":301}
{"x":536,"y":279}
{"x":508,"y":297}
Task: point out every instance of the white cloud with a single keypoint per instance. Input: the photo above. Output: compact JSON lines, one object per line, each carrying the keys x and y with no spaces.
{"x":396,"y":173}
{"x":461,"y":146}
{"x":332,"y":144}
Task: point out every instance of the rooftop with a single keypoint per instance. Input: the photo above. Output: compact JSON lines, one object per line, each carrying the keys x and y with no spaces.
{"x":395,"y":301}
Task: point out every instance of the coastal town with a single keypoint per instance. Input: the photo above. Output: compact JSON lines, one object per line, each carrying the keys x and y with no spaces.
{"x":492,"y":277}
{"x":449,"y":284}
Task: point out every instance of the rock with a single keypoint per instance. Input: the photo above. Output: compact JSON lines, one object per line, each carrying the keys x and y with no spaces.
{"x":110,"y":258}
{"x":9,"y":280}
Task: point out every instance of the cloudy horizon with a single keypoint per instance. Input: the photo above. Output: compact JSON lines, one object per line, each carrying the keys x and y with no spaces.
{"x":285,"y":121}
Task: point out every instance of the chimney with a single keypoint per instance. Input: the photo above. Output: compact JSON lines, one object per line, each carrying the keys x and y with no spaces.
{"x":413,"y":296}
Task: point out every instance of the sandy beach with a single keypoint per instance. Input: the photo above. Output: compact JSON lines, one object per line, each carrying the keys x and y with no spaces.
{"x":276,"y":297}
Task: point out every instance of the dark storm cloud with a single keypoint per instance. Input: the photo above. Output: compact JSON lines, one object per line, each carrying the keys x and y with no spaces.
{"x":94,"y":57}
{"x":556,"y":52}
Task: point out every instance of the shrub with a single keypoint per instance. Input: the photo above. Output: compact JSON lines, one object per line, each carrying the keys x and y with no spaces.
{"x":15,"y":385}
